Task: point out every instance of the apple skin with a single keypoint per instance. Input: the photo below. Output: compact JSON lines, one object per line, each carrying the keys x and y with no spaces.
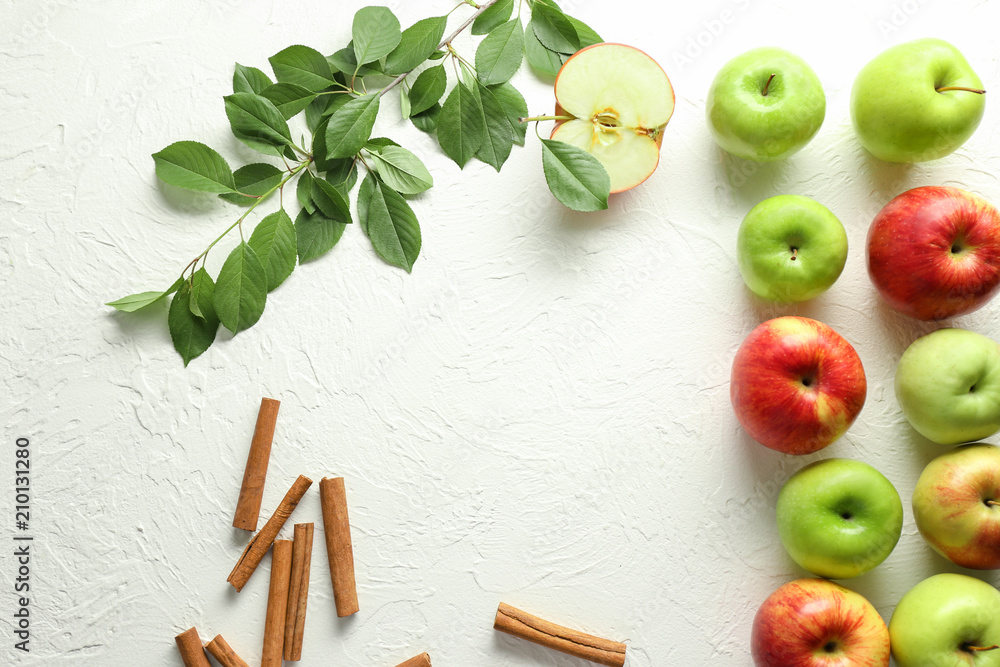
{"x":934,"y":252}
{"x":956,"y":504}
{"x":764,"y":128}
{"x":941,"y":615}
{"x":817,"y":623}
{"x":948,"y":385}
{"x":790,"y":248}
{"x":839,"y":518}
{"x":796,"y":385}
{"x":897,"y":111}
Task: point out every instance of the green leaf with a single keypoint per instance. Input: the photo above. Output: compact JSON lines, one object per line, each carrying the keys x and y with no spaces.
{"x":134,"y":302}
{"x":437,"y":55}
{"x":539,"y":57}
{"x":241,"y":292}
{"x":554,"y":29}
{"x":418,"y":42}
{"x":375,"y":33}
{"x":302,"y":66}
{"x":401,"y":170}
{"x":249,"y":80}
{"x":496,"y":14}
{"x":427,"y":89}
{"x":426,"y":121}
{"x":404,"y":103}
{"x":515,"y":107}
{"x":342,"y":175}
{"x":350,"y":126}
{"x":460,"y":125}
{"x":347,"y":62}
{"x":330,"y":201}
{"x":376,"y":144}
{"x":192,"y":335}
{"x":202,"y":294}
{"x":303,"y":191}
{"x":499,"y":55}
{"x":389,"y":222}
{"x":587,"y":36}
{"x":499,"y":139}
{"x":273,"y":240}
{"x":316,"y":234}
{"x":257,"y":123}
{"x":575,"y":177}
{"x":254,"y":179}
{"x":195,"y":166}
{"x":288,"y":98}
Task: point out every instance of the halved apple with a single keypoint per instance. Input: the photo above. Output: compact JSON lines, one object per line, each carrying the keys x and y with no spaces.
{"x":619,"y":100}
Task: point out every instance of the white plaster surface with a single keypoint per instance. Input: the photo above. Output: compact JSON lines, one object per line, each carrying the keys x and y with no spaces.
{"x":539,"y":414}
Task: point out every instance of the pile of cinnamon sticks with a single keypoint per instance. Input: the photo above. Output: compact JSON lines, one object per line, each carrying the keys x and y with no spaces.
{"x":284,"y":625}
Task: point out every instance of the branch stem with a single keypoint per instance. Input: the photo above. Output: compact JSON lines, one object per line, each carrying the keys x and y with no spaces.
{"x":978,"y":91}
{"x":447,"y":40}
{"x":260,"y":199}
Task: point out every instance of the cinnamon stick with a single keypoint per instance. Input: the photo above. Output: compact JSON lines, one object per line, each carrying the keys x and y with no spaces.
{"x":252,"y":489}
{"x":225,"y":655}
{"x":521,"y":624}
{"x":298,"y":591}
{"x":261,"y":542}
{"x":277,"y":604}
{"x":337,"y":528}
{"x":422,"y":660}
{"x":192,"y":652}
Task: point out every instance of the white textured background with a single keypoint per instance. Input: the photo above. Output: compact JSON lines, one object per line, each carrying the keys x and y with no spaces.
{"x":539,"y":414}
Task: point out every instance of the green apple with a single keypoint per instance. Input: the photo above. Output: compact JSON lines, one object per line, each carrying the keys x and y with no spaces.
{"x":839,"y":518}
{"x":948,"y":385}
{"x":916,"y":101}
{"x":948,"y":620}
{"x":765,"y":104}
{"x":956,"y":504}
{"x":790,"y":248}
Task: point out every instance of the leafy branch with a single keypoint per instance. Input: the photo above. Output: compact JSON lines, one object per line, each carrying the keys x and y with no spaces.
{"x":481,"y":117}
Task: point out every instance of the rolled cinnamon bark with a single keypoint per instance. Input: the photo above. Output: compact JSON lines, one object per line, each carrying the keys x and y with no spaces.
{"x":224,"y":654}
{"x":422,"y":660}
{"x":192,"y":652}
{"x":277,"y":604}
{"x":337,"y":529}
{"x":261,"y":542}
{"x":252,"y":489}
{"x":298,"y":591}
{"x":521,"y":624}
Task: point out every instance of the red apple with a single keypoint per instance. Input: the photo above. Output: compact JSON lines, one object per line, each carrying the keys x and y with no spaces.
{"x":934,"y":252}
{"x":796,"y":385}
{"x":956,"y":504}
{"x":817,"y":623}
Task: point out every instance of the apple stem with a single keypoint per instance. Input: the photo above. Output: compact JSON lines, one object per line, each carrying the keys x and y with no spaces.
{"x":978,"y":91}
{"x":766,"y":85}
{"x":983,"y":648}
{"x":993,"y":503}
{"x":541,"y":118}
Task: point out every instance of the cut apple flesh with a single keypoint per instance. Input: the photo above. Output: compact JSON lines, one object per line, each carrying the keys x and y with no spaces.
{"x":619,"y":100}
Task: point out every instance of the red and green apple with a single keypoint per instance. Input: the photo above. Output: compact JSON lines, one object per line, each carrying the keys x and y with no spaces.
{"x":796,"y":385}
{"x":934,"y":252}
{"x":956,"y":504}
{"x":817,"y":623}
